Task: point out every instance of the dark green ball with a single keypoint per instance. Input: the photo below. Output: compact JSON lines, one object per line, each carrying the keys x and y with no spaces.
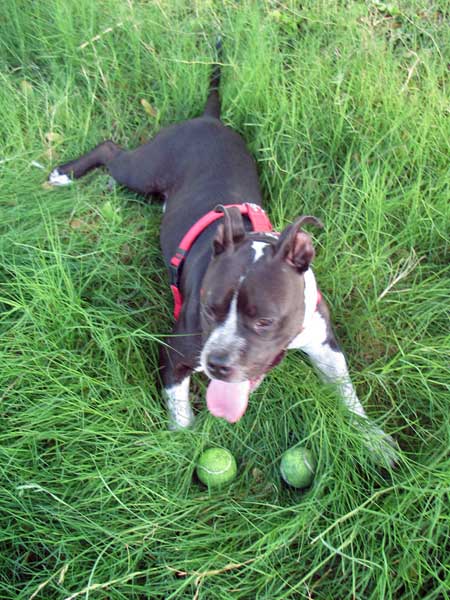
{"x":298,"y":466}
{"x":216,"y":467}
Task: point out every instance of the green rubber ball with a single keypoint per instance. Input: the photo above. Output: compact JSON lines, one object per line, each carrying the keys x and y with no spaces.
{"x":297,"y":467}
{"x":216,"y":467}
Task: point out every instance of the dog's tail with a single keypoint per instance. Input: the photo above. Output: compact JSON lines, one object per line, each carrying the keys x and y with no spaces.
{"x":212,"y":107}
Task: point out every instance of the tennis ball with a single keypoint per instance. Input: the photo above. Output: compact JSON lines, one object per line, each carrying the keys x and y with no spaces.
{"x":297,"y":467}
{"x":216,"y":467}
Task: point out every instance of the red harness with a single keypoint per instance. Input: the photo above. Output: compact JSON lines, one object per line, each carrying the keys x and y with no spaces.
{"x":260,"y":223}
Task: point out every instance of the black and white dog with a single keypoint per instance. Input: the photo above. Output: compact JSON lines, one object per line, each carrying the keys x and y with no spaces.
{"x":243,"y":294}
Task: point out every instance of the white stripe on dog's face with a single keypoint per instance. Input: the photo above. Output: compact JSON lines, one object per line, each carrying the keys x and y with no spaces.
{"x":224,"y":338}
{"x":258,"y":248}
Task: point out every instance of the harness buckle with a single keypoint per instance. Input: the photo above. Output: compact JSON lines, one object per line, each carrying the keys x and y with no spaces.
{"x":173,"y":274}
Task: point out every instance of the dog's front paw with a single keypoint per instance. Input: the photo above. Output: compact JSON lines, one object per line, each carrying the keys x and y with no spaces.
{"x":383,"y":448}
{"x":180,"y":421}
{"x":56,"y":178}
{"x":179,"y":408}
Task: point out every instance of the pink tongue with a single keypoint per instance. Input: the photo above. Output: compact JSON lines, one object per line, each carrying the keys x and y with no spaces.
{"x":227,"y":400}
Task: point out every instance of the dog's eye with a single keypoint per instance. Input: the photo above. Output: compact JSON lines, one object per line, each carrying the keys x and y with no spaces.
{"x":263,"y":324}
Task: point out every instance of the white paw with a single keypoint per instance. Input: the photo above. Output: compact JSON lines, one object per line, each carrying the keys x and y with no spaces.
{"x":384,"y":449}
{"x":57,"y":178}
{"x":179,"y":420}
{"x":178,"y":406}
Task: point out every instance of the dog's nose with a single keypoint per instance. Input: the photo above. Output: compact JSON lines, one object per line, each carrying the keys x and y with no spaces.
{"x":218,"y":365}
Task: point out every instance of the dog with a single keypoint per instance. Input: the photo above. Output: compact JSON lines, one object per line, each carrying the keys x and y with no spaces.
{"x":243,"y":294}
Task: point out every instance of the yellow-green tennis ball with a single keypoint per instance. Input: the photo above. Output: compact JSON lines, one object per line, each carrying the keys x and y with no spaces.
{"x":216,"y":467}
{"x":298,"y":466}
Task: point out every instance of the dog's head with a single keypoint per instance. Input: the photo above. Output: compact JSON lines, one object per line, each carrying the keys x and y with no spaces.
{"x":253,"y":298}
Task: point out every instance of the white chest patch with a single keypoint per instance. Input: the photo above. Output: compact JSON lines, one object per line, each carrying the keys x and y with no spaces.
{"x":314,"y":326}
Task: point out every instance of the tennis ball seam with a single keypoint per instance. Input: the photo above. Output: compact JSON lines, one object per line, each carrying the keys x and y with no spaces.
{"x":213,"y":472}
{"x":310,"y":471}
{"x":308,"y":464}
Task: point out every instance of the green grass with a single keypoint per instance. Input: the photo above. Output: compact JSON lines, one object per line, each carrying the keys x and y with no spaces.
{"x":346,"y":108}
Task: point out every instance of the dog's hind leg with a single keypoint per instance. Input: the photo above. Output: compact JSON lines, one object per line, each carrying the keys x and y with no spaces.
{"x":101,"y":155}
{"x":143,"y":170}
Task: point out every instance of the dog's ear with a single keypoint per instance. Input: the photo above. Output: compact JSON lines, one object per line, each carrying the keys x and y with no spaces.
{"x":230,"y":232}
{"x":295,"y":246}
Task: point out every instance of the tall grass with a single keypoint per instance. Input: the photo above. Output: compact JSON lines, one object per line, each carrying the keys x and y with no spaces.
{"x":345,"y":108}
